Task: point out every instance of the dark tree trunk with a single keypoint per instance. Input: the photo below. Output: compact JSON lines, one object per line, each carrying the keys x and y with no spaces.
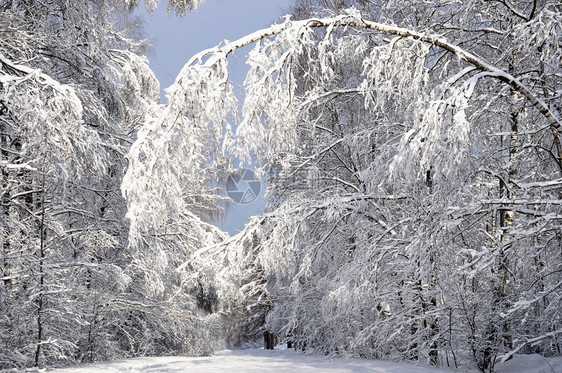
{"x":269,"y":340}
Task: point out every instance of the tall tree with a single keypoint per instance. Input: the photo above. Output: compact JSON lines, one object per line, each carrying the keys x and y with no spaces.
{"x":74,"y":88}
{"x":393,"y":229}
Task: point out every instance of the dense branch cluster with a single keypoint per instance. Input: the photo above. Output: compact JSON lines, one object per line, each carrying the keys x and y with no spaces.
{"x":413,"y":158}
{"x":74,"y":89}
{"x":414,"y":180}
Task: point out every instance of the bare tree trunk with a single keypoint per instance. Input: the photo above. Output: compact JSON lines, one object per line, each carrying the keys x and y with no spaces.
{"x":5,"y":200}
{"x":432,"y":302}
{"x":40,"y":300}
{"x":269,"y":340}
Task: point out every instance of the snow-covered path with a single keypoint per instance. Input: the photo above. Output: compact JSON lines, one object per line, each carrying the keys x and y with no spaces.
{"x":288,"y":361}
{"x":250,"y":361}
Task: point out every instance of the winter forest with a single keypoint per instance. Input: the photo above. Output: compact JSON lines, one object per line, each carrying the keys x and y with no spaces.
{"x":413,"y":158}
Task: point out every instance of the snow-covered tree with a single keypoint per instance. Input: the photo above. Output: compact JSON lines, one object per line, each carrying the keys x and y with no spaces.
{"x":74,"y":89}
{"x":414,"y":158}
{"x":415,"y":176}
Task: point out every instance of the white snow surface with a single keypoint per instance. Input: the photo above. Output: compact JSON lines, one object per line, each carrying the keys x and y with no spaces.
{"x":288,"y":361}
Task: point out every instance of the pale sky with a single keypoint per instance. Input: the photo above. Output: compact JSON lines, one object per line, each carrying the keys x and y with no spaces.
{"x":177,"y":39}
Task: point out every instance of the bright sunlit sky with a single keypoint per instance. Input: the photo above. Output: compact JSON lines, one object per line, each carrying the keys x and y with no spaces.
{"x":177,"y":39}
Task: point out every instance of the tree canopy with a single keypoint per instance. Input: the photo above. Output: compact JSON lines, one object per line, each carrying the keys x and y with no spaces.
{"x":414,"y":177}
{"x":413,"y":158}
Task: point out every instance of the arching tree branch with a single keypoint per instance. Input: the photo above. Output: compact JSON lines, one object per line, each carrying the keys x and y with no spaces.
{"x":352,"y":20}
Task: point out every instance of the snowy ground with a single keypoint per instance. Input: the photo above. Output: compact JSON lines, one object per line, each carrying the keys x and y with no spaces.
{"x":288,"y":361}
